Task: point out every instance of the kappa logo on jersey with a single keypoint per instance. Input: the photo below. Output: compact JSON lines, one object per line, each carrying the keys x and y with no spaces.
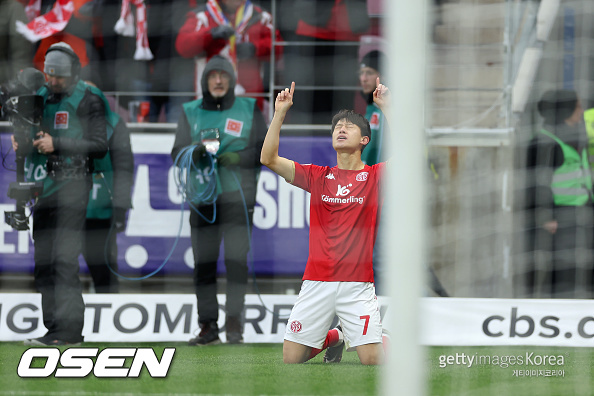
{"x":342,"y":191}
{"x":362,"y":176}
{"x":375,"y":121}
{"x":233,"y":127}
{"x":61,"y":120}
{"x":330,"y":176}
{"x":296,"y":326}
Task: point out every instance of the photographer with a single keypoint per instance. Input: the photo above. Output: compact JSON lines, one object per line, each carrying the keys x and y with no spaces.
{"x":229,"y":219}
{"x":73,"y":133}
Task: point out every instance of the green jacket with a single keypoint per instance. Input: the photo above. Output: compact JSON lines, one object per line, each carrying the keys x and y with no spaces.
{"x":572,"y":181}
{"x":234,"y":125}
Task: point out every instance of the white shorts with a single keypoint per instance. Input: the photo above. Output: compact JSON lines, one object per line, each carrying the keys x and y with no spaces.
{"x":354,"y":303}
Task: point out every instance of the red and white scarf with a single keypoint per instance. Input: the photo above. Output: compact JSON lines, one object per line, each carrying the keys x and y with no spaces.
{"x":242,"y":18}
{"x":125,"y":27}
{"x":42,"y":26}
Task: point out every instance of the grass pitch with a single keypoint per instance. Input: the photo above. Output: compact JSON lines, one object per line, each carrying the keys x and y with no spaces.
{"x":249,"y":369}
{"x":257,"y":369}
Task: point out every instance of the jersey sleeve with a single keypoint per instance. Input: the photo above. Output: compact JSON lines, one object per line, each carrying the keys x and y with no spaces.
{"x":306,"y":175}
{"x":301,"y":177}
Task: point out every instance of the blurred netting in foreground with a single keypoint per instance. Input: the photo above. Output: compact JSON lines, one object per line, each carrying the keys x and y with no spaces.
{"x":504,"y":221}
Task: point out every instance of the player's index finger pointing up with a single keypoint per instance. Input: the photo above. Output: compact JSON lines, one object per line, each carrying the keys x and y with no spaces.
{"x":292,"y":88}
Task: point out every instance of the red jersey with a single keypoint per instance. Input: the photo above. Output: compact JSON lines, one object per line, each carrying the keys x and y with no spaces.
{"x":344,"y":212}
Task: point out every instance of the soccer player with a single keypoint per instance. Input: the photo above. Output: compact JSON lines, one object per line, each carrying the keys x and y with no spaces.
{"x":345,"y":205}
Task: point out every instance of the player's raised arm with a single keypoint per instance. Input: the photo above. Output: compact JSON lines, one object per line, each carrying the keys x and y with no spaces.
{"x":382,"y":98}
{"x":269,"y":156}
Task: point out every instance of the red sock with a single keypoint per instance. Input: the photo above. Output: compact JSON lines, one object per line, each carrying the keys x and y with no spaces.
{"x":332,"y":339}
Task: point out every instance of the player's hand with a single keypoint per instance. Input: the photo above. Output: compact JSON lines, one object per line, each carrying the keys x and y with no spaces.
{"x":382,"y":96}
{"x":44,"y":143}
{"x":284,"y":99}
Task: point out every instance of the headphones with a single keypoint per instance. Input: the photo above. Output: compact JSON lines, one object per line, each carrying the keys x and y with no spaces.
{"x":74,"y":66}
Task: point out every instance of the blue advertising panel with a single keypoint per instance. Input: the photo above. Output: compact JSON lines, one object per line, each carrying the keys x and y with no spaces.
{"x":158,"y":230}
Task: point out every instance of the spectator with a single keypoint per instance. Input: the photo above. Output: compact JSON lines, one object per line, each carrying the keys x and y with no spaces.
{"x":15,"y":51}
{"x":242,"y":127}
{"x":156,"y":69}
{"x":108,"y":203}
{"x":168,"y":72}
{"x":325,"y":60}
{"x":68,"y":21}
{"x":374,"y":153}
{"x":73,"y":134}
{"x":236,"y":29}
{"x":369,"y":71}
{"x":119,"y":70}
{"x":559,"y":201}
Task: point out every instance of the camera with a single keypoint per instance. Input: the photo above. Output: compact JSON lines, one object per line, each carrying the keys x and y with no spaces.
{"x":24,"y":110}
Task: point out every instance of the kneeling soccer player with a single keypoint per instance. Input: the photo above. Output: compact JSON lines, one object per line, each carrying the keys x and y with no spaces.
{"x":345,"y":205}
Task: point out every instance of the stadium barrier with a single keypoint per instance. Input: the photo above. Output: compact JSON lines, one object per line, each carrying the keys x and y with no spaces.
{"x":445,"y":321}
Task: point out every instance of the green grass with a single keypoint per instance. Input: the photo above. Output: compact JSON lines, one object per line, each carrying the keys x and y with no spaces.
{"x":250,"y":369}
{"x":486,"y":380}
{"x":257,"y":369}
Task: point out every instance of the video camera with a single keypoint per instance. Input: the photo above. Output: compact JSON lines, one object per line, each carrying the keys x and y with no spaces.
{"x":24,"y":110}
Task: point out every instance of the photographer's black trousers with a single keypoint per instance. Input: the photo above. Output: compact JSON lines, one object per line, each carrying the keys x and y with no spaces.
{"x":99,"y":250}
{"x":231,"y":227}
{"x":58,"y":223}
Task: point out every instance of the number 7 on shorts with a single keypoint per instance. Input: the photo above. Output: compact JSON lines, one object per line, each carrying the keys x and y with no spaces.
{"x":366,"y":319}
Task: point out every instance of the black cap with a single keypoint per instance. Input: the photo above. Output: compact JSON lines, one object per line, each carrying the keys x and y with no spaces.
{"x":374,"y":59}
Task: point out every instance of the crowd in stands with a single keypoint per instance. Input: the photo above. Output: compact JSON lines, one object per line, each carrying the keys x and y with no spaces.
{"x":154,"y":50}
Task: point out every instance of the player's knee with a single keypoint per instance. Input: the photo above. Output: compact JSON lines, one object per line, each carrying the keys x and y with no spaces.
{"x":371,"y":355}
{"x":371,"y":360}
{"x":294,"y":353}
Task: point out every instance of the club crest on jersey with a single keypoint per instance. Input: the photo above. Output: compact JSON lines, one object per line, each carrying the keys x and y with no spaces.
{"x":362,"y":176}
{"x":61,"y":120}
{"x":374,"y":122}
{"x":295,"y":326}
{"x":330,"y":176}
{"x":233,"y":127}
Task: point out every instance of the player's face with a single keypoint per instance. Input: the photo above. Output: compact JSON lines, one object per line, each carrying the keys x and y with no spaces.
{"x":367,"y":79}
{"x":218,"y":83}
{"x":347,"y":136}
{"x":58,"y":84}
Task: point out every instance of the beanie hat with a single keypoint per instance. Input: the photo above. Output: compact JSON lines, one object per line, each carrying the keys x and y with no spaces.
{"x":221,"y":63}
{"x":557,"y":106}
{"x":374,"y":59}
{"x":59,"y":63}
